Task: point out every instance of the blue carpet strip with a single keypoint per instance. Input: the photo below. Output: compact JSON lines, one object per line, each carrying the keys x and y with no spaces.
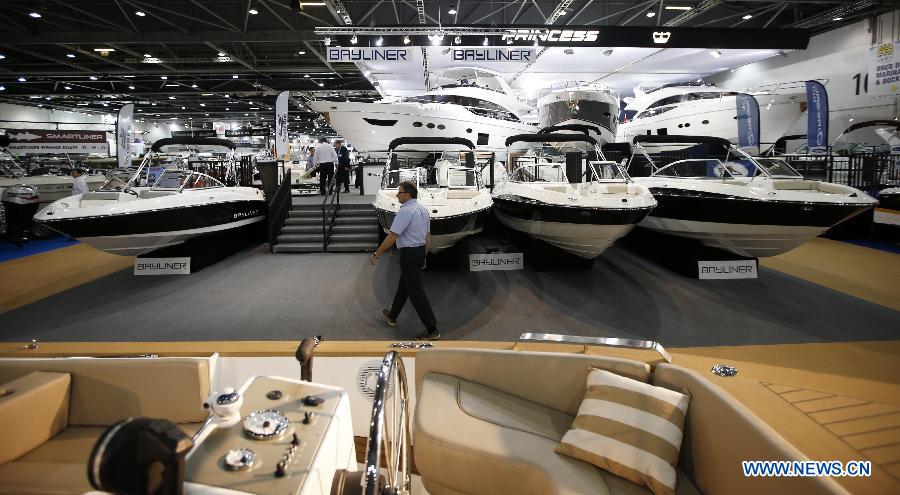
{"x":9,"y":251}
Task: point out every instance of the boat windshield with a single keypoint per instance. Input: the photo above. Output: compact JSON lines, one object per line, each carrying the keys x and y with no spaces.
{"x":9,"y":168}
{"x":553,"y":162}
{"x":702,"y":168}
{"x":440,"y":169}
{"x":776,"y":167}
{"x":185,"y":179}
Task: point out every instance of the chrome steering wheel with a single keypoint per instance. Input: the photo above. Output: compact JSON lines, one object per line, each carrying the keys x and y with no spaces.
{"x":389,"y":432}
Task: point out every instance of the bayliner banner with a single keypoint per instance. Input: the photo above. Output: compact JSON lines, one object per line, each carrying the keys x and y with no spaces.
{"x":281,"y":126}
{"x":747,"y":121}
{"x":33,"y":141}
{"x":124,"y":136}
{"x":884,"y":69}
{"x":817,"y":117}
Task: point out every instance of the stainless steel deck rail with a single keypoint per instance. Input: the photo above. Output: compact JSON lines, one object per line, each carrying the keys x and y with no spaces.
{"x":601,"y":341}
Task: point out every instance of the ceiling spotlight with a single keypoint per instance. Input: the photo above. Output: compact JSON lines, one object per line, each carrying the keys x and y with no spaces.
{"x":253,"y":11}
{"x":130,"y":87}
{"x":67,"y":87}
{"x":226,"y":108}
{"x":747,"y":17}
{"x":194,"y":86}
{"x":139,"y":14}
{"x":163,"y":77}
{"x":379,"y":41}
{"x":70,"y":55}
{"x":716,"y":53}
{"x":35,"y":15}
{"x":147,"y":55}
{"x":22,"y":79}
{"x":485,"y":42}
{"x":452,"y":11}
{"x":321,"y":84}
{"x":651,"y":14}
{"x":436,"y":39}
{"x":676,"y":7}
{"x":182,"y":108}
{"x":235,"y":76}
{"x":327,"y":41}
{"x":222,"y":54}
{"x":2,"y":88}
{"x":457,"y":40}
{"x":305,"y":75}
{"x":354,"y":39}
{"x":838,"y":19}
{"x":302,"y":52}
{"x":406,"y":40}
{"x":203,"y":104}
{"x":171,"y":97}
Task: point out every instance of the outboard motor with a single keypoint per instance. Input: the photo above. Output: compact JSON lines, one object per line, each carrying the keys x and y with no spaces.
{"x":20,"y":203}
{"x":140,"y":455}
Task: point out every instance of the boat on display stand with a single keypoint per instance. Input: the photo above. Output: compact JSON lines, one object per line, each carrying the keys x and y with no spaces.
{"x":591,"y":105}
{"x":700,"y":109}
{"x":450,"y":183}
{"x":476,"y":104}
{"x":714,"y":192}
{"x":126,"y":219}
{"x":49,"y":186}
{"x":563,"y":192}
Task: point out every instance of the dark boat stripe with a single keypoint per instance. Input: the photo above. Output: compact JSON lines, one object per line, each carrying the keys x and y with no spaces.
{"x":529,"y":209}
{"x":443,"y":225}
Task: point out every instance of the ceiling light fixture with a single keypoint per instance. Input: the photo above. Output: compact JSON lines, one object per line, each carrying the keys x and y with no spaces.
{"x":838,"y":19}
{"x":253,"y":11}
{"x":222,"y":54}
{"x":67,"y":87}
{"x":171,"y":97}
{"x":163,"y":77}
{"x":22,"y":79}
{"x":327,"y":40}
{"x":305,"y":75}
{"x":406,"y":40}
{"x":354,"y":39}
{"x":139,"y":14}
{"x":452,"y":11}
{"x":35,"y":15}
{"x":93,"y":78}
{"x":747,"y":17}
{"x":457,"y":40}
{"x":70,"y":55}
{"x":651,"y":14}
{"x":103,"y":51}
{"x":2,"y":88}
{"x":485,"y":42}
{"x":130,"y":87}
{"x":716,"y":53}
{"x":321,"y":84}
{"x":171,"y":85}
{"x":677,"y":7}
{"x":302,"y":52}
{"x":203,"y":104}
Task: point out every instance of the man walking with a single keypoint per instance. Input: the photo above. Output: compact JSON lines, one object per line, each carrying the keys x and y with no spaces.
{"x":411,"y":231}
{"x":325,"y":158}
{"x":343,"y":170}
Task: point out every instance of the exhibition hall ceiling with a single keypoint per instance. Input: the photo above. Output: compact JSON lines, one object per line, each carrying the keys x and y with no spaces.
{"x":226,"y":59}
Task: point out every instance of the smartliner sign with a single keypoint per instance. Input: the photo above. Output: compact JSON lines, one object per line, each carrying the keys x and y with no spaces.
{"x":731,"y":269}
{"x":162,"y":266}
{"x":496,"y":261}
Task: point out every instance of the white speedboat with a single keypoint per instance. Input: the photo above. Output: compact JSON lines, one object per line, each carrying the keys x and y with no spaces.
{"x":569,"y":197}
{"x":476,"y":104}
{"x":587,"y":105}
{"x":449,"y":182}
{"x":712,"y":191}
{"x":49,"y":186}
{"x":180,"y":205}
{"x":703,"y":110}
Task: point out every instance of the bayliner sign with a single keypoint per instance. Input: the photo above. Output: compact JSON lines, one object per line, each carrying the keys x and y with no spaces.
{"x":492,"y":54}
{"x":28,"y":141}
{"x":368,"y":54}
{"x":496,"y":261}
{"x":162,"y":266}
{"x":726,"y":269}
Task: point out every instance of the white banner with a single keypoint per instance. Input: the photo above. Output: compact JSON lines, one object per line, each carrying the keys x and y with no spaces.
{"x":496,"y":261}
{"x":368,"y":54}
{"x":281,"y":126}
{"x":124,"y":135}
{"x":714,"y":270}
{"x":884,"y":69}
{"x":38,"y":148}
{"x":28,"y":141}
{"x":162,"y":266}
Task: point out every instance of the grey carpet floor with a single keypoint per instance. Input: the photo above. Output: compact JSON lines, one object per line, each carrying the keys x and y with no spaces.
{"x":254,"y":295}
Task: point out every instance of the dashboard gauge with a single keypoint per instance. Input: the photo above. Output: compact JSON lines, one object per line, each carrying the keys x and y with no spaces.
{"x":265,"y":424}
{"x":240,"y":459}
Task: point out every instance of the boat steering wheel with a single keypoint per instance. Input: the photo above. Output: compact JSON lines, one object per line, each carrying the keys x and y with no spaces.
{"x":130,"y":191}
{"x":391,"y":439}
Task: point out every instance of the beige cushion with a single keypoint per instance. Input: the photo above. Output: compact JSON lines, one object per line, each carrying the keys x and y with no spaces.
{"x":107,"y":390}
{"x":34,"y":408}
{"x":473,"y":439}
{"x":551,"y":379}
{"x":629,"y":428}
{"x":60,"y":465}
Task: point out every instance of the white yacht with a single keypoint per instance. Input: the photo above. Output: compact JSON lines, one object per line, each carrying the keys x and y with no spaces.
{"x":180,"y":205}
{"x":591,"y":105}
{"x":569,"y":196}
{"x":475,"y":104}
{"x":699,"y":109}
{"x":450,"y":186}
{"x":712,"y":191}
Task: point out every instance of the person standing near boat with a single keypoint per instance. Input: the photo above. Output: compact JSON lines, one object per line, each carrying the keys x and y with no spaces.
{"x":325,"y":158}
{"x":343,"y":170}
{"x":79,"y":184}
{"x":411,"y":232}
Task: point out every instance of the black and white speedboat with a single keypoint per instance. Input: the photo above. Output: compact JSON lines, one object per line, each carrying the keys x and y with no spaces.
{"x":448,"y":177}
{"x":122,"y":219}
{"x":712,"y":191}
{"x":569,"y":196}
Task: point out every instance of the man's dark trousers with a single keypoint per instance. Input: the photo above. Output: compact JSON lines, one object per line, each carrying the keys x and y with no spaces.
{"x":410,"y":286}
{"x":326,"y":171}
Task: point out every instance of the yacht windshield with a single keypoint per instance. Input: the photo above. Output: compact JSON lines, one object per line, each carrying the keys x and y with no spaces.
{"x":185,"y":179}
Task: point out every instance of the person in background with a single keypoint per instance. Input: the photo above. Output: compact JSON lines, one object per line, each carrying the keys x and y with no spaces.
{"x":325,"y":158}
{"x":343,"y":170}
{"x":310,"y":155}
{"x":411,"y":231}
{"x":79,"y":184}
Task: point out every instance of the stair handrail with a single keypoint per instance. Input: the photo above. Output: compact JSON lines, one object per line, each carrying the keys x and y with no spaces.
{"x":279,"y":207}
{"x":335,"y":203}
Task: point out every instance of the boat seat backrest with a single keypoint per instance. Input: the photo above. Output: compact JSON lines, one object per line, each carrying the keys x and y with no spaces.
{"x":151,"y":193}
{"x":559,"y":189}
{"x":795,"y":185}
{"x":461,"y":193}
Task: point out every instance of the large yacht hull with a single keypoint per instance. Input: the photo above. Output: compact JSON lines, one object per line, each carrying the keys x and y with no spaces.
{"x":582,"y":107}
{"x":717,"y":118}
{"x":585,"y":232}
{"x":748,"y":227}
{"x":445,"y":231}
{"x":372,"y":126}
{"x":139,"y":232}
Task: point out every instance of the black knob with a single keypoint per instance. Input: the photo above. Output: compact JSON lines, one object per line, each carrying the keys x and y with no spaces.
{"x":312,"y":400}
{"x":307,"y":418}
{"x":295,"y":440}
{"x":280,"y":469}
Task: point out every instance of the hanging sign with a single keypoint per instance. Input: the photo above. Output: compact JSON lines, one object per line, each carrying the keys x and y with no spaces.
{"x":33,"y":141}
{"x":368,"y":54}
{"x":492,"y":55}
{"x":747,"y":121}
{"x":817,"y":118}
{"x":195,"y":133}
{"x":884,"y":69}
{"x":247,"y":132}
{"x":124,"y":135}
{"x":281,"y":126}
{"x":716,"y":270}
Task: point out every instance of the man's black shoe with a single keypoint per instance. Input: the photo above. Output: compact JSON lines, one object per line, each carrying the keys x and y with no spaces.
{"x":426,"y":335}
{"x":391,"y":321}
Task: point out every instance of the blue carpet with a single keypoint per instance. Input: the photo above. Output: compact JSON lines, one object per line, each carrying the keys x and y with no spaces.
{"x":9,"y":251}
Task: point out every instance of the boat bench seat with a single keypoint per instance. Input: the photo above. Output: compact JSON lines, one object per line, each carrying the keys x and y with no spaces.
{"x":57,"y":408}
{"x":461,"y":193}
{"x":150,"y":193}
{"x":809,"y":185}
{"x":488,"y":421}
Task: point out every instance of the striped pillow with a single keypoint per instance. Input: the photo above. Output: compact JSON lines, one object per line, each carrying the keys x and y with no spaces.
{"x":629,"y":428}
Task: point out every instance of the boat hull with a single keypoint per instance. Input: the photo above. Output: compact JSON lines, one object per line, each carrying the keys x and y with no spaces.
{"x":445,"y":231}
{"x":585,"y":232}
{"x":144,"y":231}
{"x":744,"y":226}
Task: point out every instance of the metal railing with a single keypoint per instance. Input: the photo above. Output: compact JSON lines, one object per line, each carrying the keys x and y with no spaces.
{"x":869,"y":172}
{"x":601,"y":341}
{"x":334,"y":194}
{"x":279,"y":207}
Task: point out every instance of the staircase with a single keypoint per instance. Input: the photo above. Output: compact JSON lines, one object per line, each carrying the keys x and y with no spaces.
{"x":355,"y":230}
